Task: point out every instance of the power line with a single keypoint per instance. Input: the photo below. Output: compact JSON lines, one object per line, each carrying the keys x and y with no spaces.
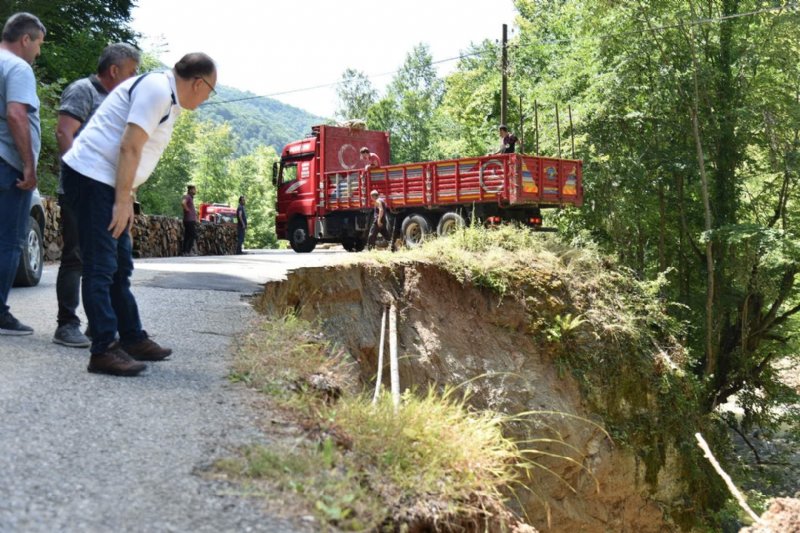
{"x":335,"y":83}
{"x":697,"y":22}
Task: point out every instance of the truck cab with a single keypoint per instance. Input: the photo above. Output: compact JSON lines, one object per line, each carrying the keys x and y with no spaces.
{"x":305,"y":169}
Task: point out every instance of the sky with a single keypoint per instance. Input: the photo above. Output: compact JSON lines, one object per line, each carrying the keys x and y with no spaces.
{"x":268,"y":47}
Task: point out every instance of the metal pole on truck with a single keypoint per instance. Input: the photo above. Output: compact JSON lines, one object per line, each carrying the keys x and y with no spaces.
{"x":536,"y":124}
{"x":521,"y":128}
{"x":558,"y":132}
{"x":571,"y":131}
{"x":504,"y":85}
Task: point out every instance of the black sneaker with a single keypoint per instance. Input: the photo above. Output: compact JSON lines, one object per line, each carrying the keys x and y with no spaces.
{"x":70,"y":335}
{"x":11,"y":326}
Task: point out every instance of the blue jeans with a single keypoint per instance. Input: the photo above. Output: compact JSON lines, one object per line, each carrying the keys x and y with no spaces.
{"x":15,"y":207}
{"x":68,"y":282}
{"x":107,"y":264}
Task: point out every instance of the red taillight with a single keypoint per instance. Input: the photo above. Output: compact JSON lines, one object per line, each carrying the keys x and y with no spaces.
{"x":535,"y":221}
{"x":493,"y":220}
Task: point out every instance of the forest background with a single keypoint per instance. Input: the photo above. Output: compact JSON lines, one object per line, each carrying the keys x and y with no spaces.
{"x":686,"y":115}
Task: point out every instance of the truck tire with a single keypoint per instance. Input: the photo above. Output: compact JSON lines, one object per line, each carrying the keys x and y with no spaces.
{"x":299,"y":239}
{"x":353,"y":244}
{"x":30,"y":263}
{"x":416,"y":229}
{"x":449,"y":223}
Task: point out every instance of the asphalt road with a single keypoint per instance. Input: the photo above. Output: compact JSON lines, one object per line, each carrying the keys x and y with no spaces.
{"x":86,"y":452}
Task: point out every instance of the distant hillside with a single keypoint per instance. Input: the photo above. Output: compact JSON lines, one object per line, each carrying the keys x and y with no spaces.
{"x":259,"y":120}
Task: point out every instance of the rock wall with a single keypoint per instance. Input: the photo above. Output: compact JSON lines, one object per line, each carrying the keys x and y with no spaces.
{"x":153,"y":235}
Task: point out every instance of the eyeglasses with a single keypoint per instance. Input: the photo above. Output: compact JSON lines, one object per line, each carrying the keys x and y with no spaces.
{"x":213,"y":90}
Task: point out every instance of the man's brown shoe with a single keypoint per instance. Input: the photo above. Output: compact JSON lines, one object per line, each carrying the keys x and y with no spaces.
{"x":115,"y":361}
{"x":147,"y":350}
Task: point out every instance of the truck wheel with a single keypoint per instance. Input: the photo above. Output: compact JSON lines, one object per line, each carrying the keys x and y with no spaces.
{"x":299,"y":239}
{"x":353,"y":244}
{"x":449,"y":223}
{"x":30,"y":263}
{"x":415,"y":230}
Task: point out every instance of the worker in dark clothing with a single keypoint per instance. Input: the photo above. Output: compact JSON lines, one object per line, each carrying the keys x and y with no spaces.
{"x":508,"y":141}
{"x":380,"y":222}
{"x":241,"y":225}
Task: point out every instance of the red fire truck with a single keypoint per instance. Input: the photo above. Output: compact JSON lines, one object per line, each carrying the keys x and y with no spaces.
{"x":324,"y":192}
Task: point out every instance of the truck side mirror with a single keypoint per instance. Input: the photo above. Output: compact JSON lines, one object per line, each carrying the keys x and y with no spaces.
{"x":275,"y":173}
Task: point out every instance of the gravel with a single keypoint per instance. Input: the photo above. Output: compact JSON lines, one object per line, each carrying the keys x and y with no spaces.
{"x":85,"y":452}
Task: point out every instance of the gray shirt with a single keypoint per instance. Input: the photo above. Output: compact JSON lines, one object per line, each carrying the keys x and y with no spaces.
{"x":80,"y":100}
{"x":17,"y":84}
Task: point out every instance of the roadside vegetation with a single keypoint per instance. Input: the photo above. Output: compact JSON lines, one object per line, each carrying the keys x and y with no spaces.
{"x":361,"y":466}
{"x":438,"y":460}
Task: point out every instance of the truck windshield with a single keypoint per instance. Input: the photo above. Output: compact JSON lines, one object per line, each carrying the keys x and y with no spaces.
{"x":288,"y":173}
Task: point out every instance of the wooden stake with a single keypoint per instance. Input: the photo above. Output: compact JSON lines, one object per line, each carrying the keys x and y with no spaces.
{"x":393,"y":365}
{"x":379,"y":377}
{"x":725,"y":477}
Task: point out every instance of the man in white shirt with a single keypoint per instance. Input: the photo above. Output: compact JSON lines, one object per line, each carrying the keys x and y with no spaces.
{"x":116,"y":153}
{"x":79,"y":101}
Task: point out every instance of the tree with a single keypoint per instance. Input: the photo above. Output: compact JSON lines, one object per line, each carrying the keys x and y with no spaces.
{"x":162,"y":193}
{"x":691,"y":142}
{"x":253,"y":173}
{"x":356,"y":95}
{"x":416,"y":92}
{"x":77,"y":31}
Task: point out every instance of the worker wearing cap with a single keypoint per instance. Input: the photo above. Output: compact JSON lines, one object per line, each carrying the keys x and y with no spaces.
{"x":380,"y":222}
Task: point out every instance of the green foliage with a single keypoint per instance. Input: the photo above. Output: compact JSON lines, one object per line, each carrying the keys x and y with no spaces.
{"x":356,"y":95}
{"x":77,"y":32}
{"x":257,"y":121}
{"x":563,"y":327}
{"x":162,"y":193}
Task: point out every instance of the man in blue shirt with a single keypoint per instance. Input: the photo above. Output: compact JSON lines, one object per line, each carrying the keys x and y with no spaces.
{"x":20,"y":141}
{"x":241,"y":225}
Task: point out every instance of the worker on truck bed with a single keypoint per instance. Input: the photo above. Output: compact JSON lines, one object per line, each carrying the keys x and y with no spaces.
{"x":380,"y":222}
{"x":508,"y":141}
{"x":370,"y":159}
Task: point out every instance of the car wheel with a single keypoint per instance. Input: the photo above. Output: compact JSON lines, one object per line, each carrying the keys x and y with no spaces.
{"x":31,"y":261}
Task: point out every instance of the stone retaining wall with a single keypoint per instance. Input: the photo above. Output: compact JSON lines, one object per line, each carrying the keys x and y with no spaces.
{"x":153,"y":235}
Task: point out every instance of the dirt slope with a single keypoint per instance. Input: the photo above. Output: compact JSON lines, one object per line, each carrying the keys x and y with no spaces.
{"x":450,"y":333}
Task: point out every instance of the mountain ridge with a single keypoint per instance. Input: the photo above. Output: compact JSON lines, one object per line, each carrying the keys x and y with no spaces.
{"x":257,"y":120}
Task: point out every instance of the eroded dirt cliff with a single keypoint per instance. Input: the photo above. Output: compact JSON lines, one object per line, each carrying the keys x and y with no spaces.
{"x":497,"y":347}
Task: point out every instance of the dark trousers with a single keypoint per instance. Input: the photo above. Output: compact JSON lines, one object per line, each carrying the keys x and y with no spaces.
{"x":189,"y":236}
{"x":68,"y":282}
{"x":384,"y":229}
{"x":107,"y":263}
{"x":239,"y":239}
{"x":15,"y":205}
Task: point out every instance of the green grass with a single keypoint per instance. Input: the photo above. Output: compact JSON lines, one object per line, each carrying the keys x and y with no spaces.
{"x":433,"y":460}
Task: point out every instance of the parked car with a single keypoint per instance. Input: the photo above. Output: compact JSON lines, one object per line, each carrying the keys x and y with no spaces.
{"x":29,"y":271}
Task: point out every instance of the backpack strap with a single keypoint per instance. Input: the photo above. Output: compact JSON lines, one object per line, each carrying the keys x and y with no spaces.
{"x":172,"y":94}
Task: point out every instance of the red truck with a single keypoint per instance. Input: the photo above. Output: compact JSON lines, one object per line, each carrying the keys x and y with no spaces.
{"x":217,"y":213}
{"x":324,"y":192}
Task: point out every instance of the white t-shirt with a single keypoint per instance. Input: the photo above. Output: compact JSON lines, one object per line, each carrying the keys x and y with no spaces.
{"x":95,"y":151}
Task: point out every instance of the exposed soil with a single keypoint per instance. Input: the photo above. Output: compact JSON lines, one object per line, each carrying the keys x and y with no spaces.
{"x":783,"y":516}
{"x":455,"y":334}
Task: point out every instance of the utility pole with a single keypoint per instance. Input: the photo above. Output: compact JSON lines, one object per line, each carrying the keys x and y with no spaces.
{"x":504,"y":90}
